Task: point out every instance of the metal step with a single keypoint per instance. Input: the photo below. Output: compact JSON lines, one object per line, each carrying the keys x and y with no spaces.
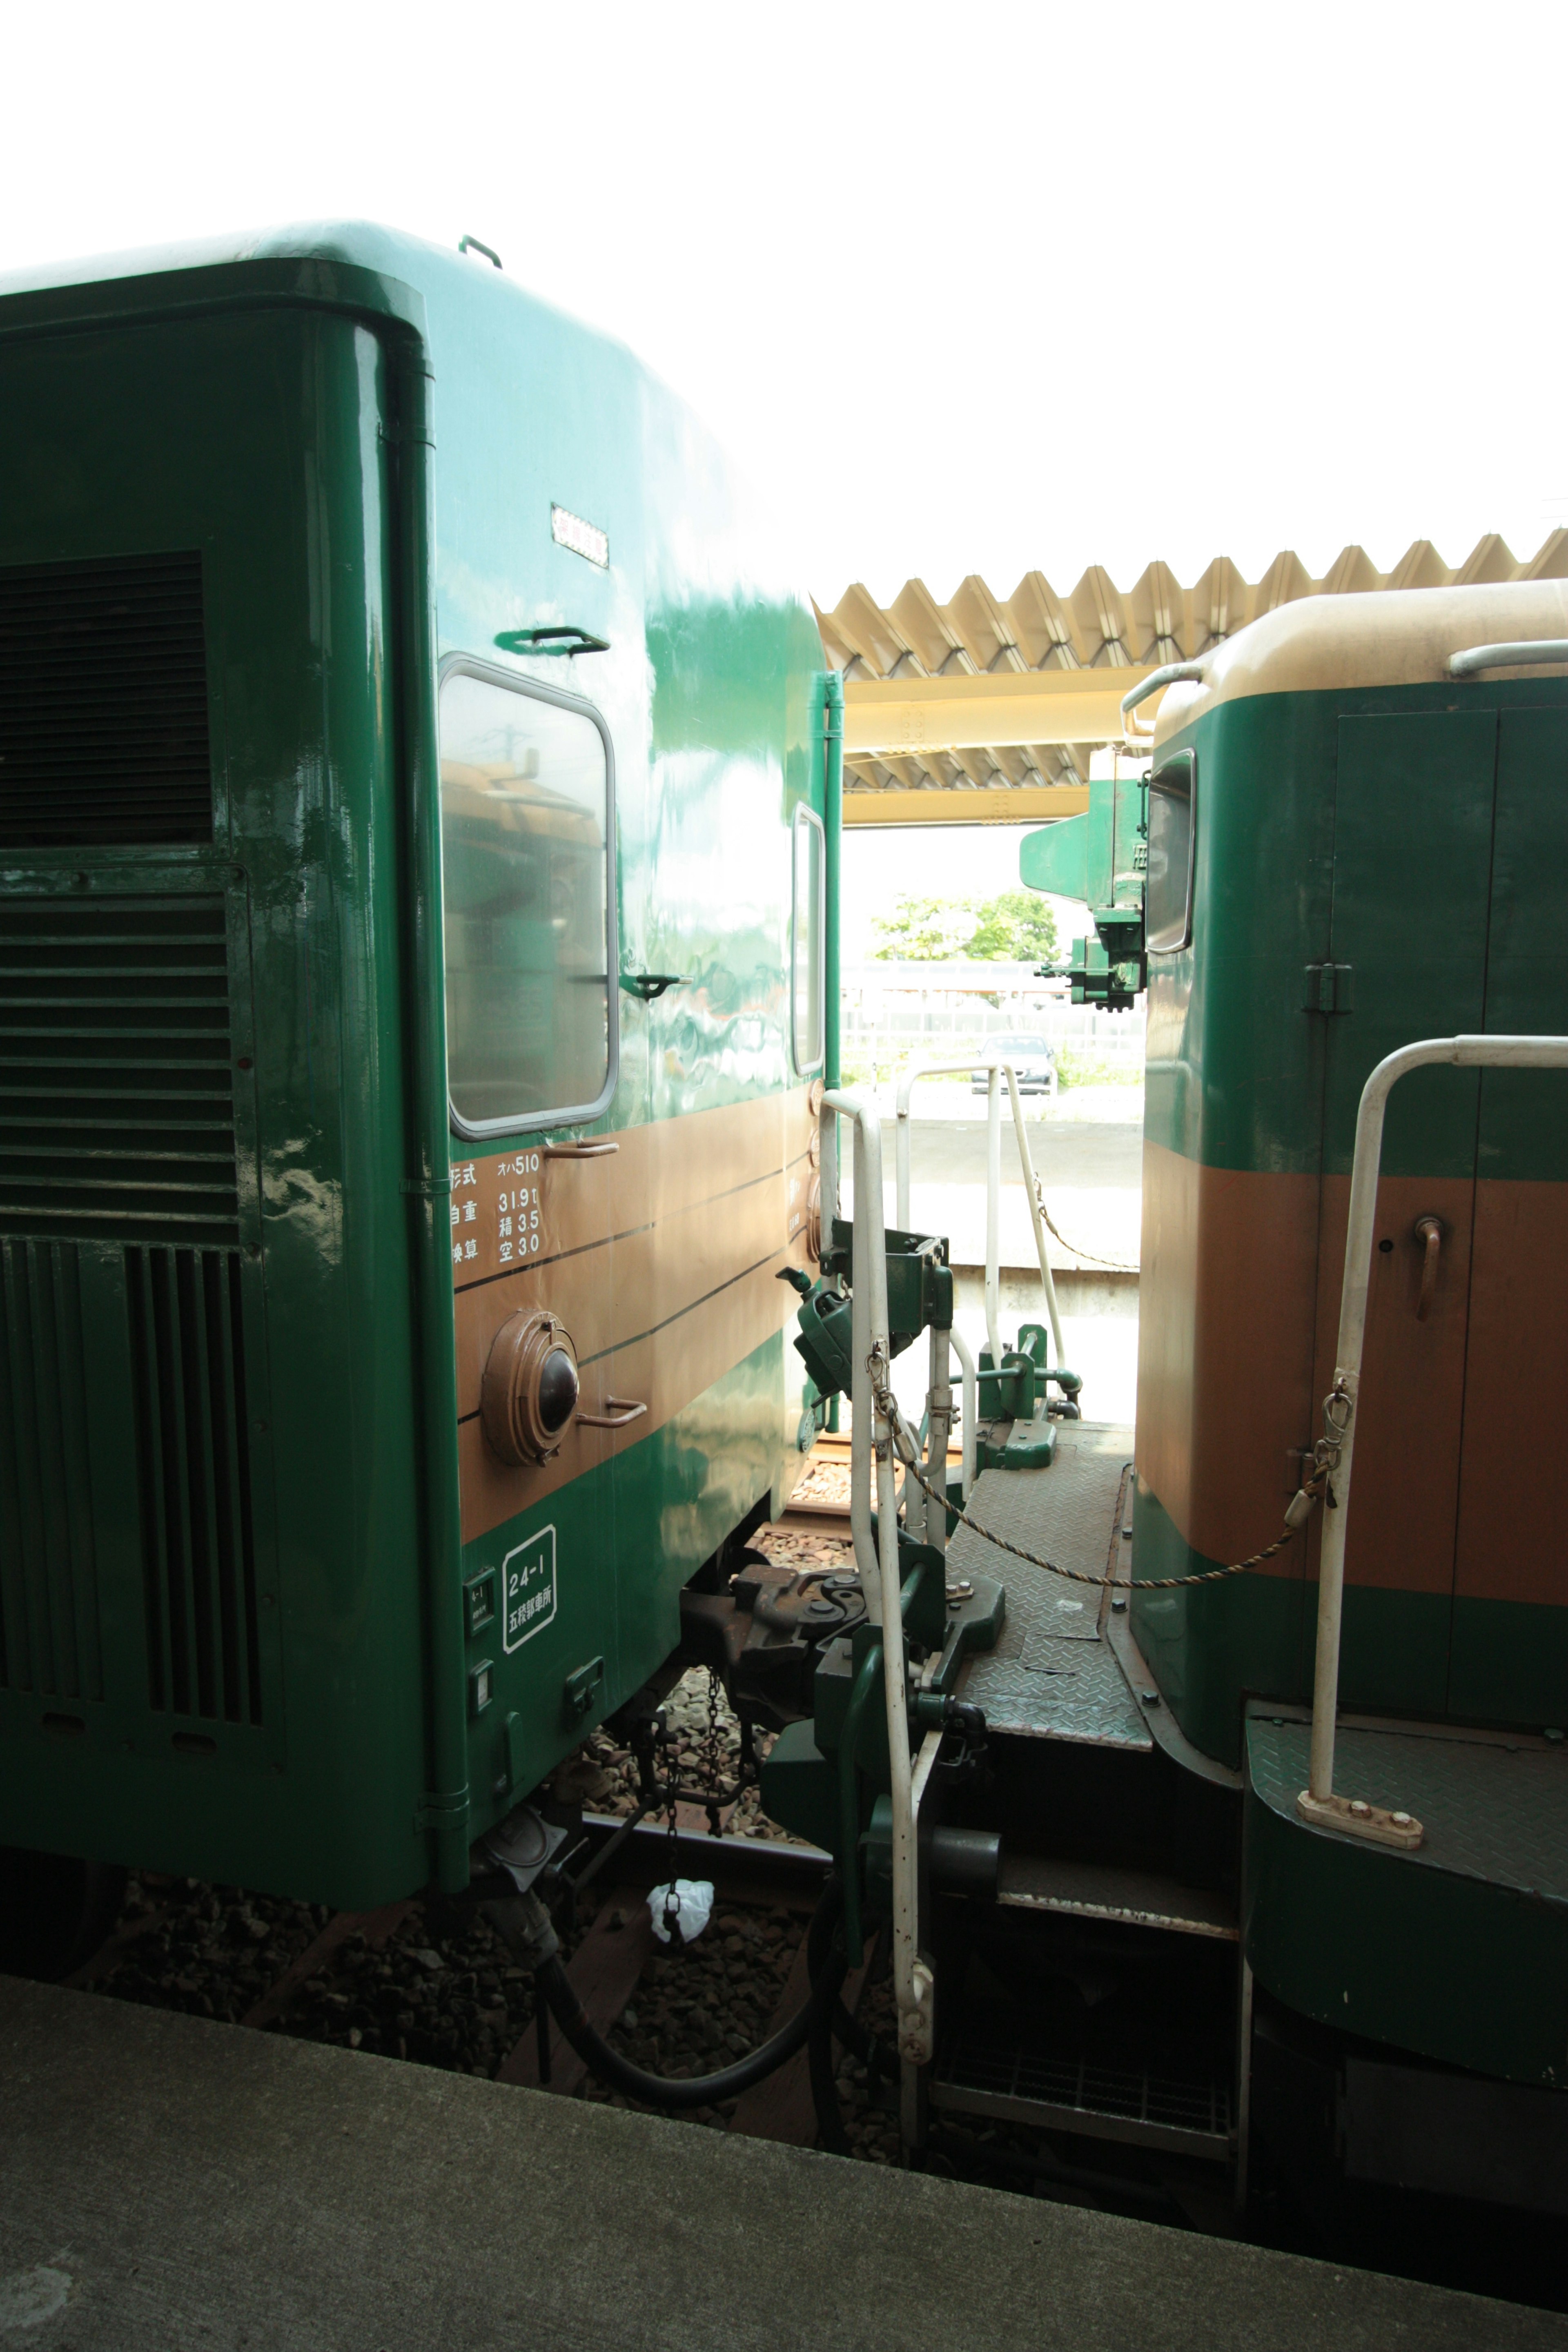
{"x":1184,"y":2114}
{"x":1094,"y":1890}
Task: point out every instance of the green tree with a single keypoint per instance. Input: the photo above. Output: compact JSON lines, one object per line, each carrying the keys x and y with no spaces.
{"x":925,"y":931}
{"x":1016,"y":927}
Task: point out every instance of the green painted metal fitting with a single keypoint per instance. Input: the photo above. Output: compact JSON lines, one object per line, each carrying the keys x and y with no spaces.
{"x":919,"y":1295}
{"x":1031,"y":1445}
{"x":876,"y":1854}
{"x":824,"y":1341}
{"x":865,"y":1680}
{"x":923,"y":1595}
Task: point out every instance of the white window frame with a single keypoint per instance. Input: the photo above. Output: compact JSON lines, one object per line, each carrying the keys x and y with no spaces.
{"x":569,"y":1114}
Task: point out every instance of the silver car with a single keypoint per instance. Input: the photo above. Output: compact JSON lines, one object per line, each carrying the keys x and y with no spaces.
{"x":1033,"y":1061}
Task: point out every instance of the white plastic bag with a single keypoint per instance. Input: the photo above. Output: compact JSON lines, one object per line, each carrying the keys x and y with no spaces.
{"x":693,"y":1907}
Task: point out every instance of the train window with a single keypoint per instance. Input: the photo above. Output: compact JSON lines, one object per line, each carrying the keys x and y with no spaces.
{"x":1168,"y":894}
{"x":527,"y":831}
{"x":807,"y":938}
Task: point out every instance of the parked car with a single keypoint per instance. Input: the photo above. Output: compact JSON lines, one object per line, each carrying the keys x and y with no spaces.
{"x":1033,"y":1061}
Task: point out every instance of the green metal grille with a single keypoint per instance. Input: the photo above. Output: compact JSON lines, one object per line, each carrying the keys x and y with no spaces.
{"x":103,"y":703}
{"x":50,"y":1636}
{"x":116,"y":1074}
{"x":194,"y":1479}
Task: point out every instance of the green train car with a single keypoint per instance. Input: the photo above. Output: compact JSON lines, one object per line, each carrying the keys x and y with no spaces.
{"x":1351,"y":838}
{"x":412,"y":892}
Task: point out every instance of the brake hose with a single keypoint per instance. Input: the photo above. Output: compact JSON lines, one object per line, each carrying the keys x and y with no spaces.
{"x":555,"y":1987}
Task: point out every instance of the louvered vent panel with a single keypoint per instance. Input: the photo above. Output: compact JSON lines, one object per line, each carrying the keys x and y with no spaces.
{"x":116,"y":1082}
{"x":49,"y":1579}
{"x":103,"y":704}
{"x":194,"y":1479}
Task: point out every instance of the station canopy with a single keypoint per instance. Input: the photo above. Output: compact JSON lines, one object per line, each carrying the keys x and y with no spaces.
{"x":986,"y":709}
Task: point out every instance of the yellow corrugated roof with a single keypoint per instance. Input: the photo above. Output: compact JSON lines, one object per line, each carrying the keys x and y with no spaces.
{"x":939,"y":738}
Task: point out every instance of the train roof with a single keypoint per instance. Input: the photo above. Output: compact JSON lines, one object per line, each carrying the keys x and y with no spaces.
{"x":608,"y":439}
{"x":400,"y":263}
{"x":1392,"y":637}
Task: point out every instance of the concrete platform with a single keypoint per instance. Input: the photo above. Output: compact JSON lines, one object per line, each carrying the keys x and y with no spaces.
{"x":166,"y":2184}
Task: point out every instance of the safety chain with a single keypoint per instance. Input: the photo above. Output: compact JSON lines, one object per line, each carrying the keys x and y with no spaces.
{"x":1112,"y":1265}
{"x":1325,"y":1461}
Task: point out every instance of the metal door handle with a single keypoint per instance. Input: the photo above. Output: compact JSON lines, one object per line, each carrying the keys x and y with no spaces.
{"x":651,"y":985}
{"x":1429,"y":1232}
{"x":567,"y":639}
{"x":629,"y":1411}
{"x":578,"y":1150}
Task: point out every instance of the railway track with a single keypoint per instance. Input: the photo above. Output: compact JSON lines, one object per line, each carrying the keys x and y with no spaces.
{"x":426,"y":1981}
{"x":429,"y":1981}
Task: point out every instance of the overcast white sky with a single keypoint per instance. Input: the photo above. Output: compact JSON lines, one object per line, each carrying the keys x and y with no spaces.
{"x":963,"y":289}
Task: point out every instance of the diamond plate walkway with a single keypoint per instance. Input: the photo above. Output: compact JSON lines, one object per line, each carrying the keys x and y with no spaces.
{"x":1459,"y":1950}
{"x":1052,"y":1675}
{"x":1493,"y":1807}
{"x":166,"y":2183}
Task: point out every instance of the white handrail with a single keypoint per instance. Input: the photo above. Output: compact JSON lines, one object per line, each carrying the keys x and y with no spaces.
{"x":995,"y":1067}
{"x":939,"y":1428}
{"x":871,"y":1436}
{"x":993,"y":1212}
{"x":1037,"y":1217}
{"x":969,"y":1440}
{"x":1316,"y":1800}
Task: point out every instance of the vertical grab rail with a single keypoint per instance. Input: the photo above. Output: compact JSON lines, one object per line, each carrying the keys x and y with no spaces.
{"x":871,"y":1442}
{"x":1316,"y":1802}
{"x":996,"y":1069}
{"x":970,"y":1441}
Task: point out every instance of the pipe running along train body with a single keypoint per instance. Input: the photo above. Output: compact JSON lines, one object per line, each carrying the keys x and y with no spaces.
{"x":412,"y":947}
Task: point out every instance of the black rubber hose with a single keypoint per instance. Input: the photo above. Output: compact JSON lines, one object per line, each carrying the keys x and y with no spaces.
{"x":554,"y":1986}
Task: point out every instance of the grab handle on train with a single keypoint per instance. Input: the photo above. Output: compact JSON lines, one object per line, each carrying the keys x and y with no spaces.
{"x":1429,"y":1233}
{"x":1186,"y":673}
{"x":1534,"y":652}
{"x":624,"y":1409}
{"x":578,"y":1150}
{"x":649,"y":986}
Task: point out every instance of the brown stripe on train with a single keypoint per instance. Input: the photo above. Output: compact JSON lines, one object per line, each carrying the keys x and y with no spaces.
{"x":613,"y":1292}
{"x":667,"y":1371}
{"x":654,"y":1170}
{"x":1240,"y":1312}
